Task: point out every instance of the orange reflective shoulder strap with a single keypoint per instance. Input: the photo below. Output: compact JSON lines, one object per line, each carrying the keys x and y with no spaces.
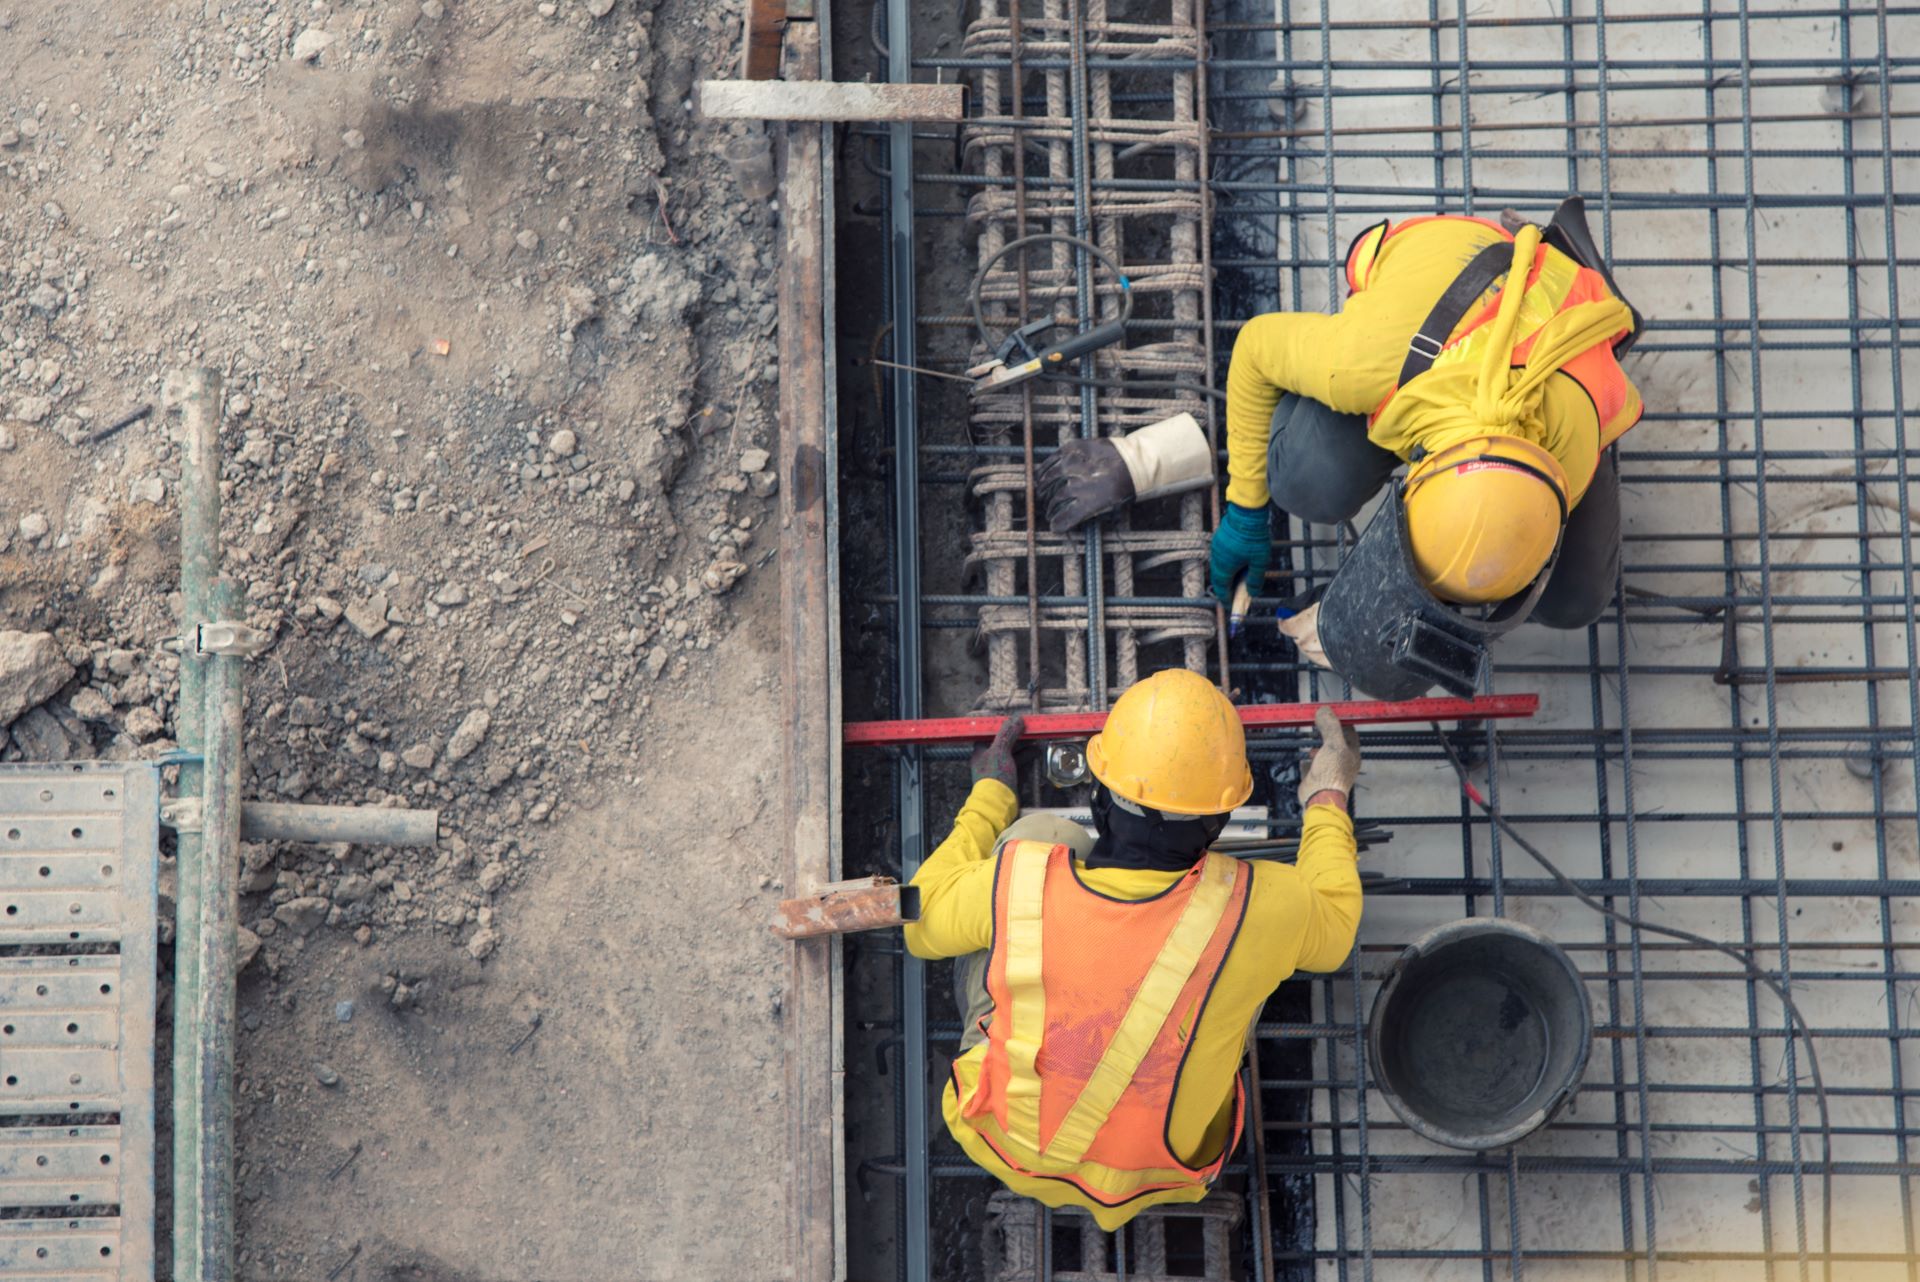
{"x":1027,"y":1016}
{"x":1152,"y":1003}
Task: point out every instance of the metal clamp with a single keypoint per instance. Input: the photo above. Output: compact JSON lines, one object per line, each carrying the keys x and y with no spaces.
{"x":182,"y":814}
{"x":226,"y":637}
{"x":1067,"y":764}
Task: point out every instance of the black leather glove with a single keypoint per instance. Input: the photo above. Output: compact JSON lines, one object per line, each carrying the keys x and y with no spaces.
{"x":1085,"y":479}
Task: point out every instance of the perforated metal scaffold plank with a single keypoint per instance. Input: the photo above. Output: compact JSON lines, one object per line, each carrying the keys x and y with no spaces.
{"x":78,"y":920}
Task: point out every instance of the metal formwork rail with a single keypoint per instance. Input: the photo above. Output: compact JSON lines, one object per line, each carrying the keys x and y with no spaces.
{"x":1731,"y":748}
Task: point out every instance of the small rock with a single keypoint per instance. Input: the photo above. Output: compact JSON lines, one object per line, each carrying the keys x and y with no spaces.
{"x":121,"y":662}
{"x":763,"y":484}
{"x":492,"y":876}
{"x":32,"y":409}
{"x":564,"y":443}
{"x":46,"y":298}
{"x":721,"y":576}
{"x":484,"y":941}
{"x":419,"y":756}
{"x":9,"y":138}
{"x":249,"y":947}
{"x":432,"y":10}
{"x":142,"y":723}
{"x":7,"y":438}
{"x":34,"y":526}
{"x":599,"y":8}
{"x":373,"y":573}
{"x":451,"y":594}
{"x":369,"y":618}
{"x":656,"y":660}
{"x":306,"y":711}
{"x":353,"y":139}
{"x":89,"y":704}
{"x":343,"y":1012}
{"x":328,"y":609}
{"x":32,"y":668}
{"x":352,"y":888}
{"x":303,"y":915}
{"x":468,"y":736}
{"x":527,"y":239}
{"x":324,"y":1074}
{"x":754,"y":460}
{"x":310,"y":44}
{"x":150,"y":489}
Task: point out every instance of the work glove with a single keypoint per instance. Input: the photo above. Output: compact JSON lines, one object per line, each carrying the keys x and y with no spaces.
{"x":1089,"y":478}
{"x":1336,"y":762}
{"x":1303,"y":629}
{"x":995,"y":759}
{"x":1241,"y":546}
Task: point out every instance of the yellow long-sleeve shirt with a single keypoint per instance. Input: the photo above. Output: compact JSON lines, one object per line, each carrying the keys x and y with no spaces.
{"x":1299,"y":917}
{"x":1350,"y":361}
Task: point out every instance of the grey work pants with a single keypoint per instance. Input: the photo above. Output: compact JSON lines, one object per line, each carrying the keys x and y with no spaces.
{"x":970,"y":972}
{"x":1322,"y":468}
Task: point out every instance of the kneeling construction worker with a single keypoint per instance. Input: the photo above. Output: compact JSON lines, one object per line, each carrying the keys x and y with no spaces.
{"x":1108,"y":984}
{"x":1486,"y":359}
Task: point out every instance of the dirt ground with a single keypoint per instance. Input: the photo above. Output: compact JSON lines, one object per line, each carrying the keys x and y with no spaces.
{"x":497,"y":334}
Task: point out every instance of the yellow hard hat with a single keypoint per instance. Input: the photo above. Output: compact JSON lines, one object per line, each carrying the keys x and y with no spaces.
{"x":1483,"y":516}
{"x":1174,"y":743}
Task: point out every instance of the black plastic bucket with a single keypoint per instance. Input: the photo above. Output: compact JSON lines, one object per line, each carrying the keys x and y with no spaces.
{"x":1480,"y":1033}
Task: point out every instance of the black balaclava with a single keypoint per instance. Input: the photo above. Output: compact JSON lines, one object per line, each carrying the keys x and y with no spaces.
{"x":1133,"y":836}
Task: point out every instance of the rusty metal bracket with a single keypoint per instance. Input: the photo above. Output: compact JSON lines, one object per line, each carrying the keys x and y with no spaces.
{"x":843,"y":907}
{"x":228,"y":637}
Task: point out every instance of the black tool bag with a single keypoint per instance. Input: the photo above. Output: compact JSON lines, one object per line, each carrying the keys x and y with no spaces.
{"x":1385,"y":632}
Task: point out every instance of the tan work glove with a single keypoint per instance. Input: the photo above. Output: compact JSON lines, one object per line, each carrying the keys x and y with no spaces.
{"x":1303,"y":629}
{"x":1336,"y":762}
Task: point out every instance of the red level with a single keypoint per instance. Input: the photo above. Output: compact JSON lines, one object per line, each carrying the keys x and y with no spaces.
{"x":1255,"y":716}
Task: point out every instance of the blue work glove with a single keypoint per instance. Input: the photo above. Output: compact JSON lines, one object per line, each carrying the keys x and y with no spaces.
{"x":1241,"y":546}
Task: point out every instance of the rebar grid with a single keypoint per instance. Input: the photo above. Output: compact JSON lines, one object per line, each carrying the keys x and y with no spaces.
{"x":1062,"y":170}
{"x":1730,"y":749}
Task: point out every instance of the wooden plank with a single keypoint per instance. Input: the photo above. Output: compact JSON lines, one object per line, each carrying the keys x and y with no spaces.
{"x":809,"y":682}
{"x":766,"y":24}
{"x":830,"y":103}
{"x":867,"y":903}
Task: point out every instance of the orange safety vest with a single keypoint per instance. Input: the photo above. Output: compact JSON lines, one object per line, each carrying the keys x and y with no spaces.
{"x":1556,"y":283}
{"x":1095,"y":1001}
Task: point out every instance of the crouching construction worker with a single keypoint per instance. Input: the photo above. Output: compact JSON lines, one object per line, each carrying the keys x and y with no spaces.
{"x":1487,"y":360}
{"x":1108,"y":984}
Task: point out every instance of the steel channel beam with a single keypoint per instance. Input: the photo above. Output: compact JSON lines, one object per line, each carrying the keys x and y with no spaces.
{"x":916,"y":1208}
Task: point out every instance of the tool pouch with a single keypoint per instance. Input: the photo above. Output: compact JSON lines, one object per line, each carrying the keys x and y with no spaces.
{"x":1568,"y":233}
{"x":1385,"y":632}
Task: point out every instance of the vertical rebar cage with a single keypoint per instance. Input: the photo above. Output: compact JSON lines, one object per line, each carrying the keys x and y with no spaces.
{"x":1730,"y":750}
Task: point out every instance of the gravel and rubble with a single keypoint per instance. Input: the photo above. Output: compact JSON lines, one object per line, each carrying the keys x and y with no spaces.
{"x":521,"y":515}
{"x":498,"y":340}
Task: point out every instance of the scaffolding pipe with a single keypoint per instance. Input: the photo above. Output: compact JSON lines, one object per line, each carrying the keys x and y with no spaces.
{"x":197,"y":393}
{"x":203,"y":1116}
{"x":360,"y":825}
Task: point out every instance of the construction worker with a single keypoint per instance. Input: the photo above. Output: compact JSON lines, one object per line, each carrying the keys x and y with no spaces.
{"x":1109,"y":984}
{"x":1484,"y":358}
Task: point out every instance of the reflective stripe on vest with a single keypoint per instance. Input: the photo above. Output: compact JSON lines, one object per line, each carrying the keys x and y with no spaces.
{"x":1555,"y":284}
{"x":1062,"y":1091}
